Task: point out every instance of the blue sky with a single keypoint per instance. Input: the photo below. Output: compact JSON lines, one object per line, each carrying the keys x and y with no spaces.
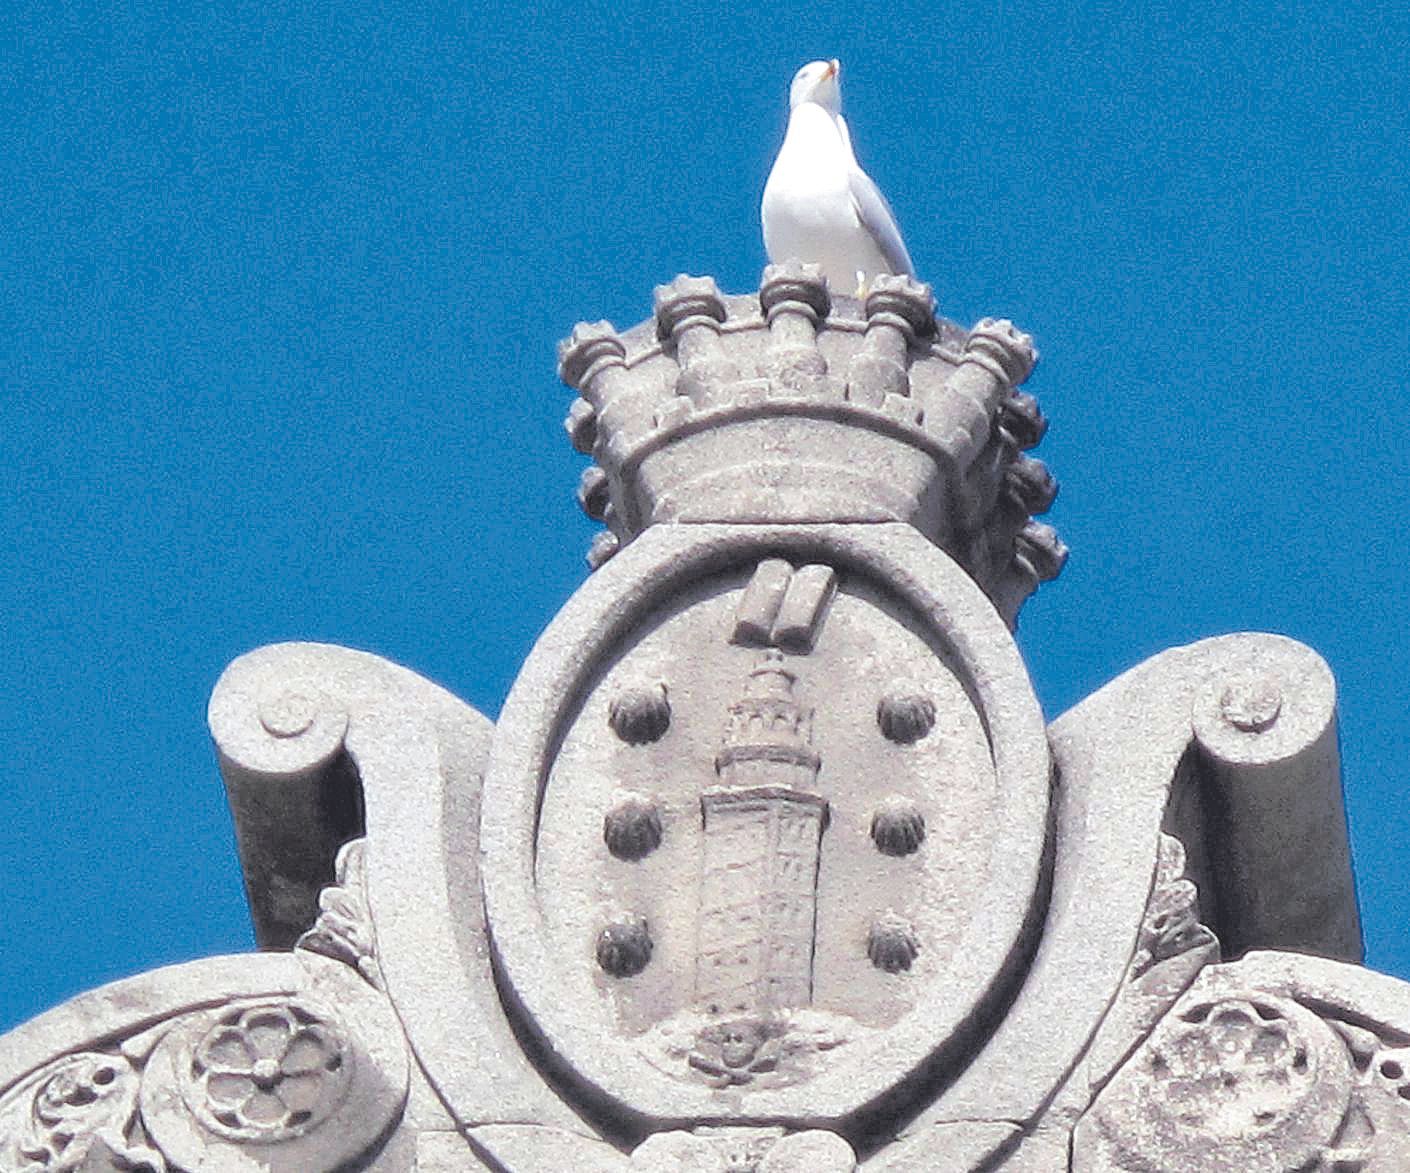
{"x":280,"y":287}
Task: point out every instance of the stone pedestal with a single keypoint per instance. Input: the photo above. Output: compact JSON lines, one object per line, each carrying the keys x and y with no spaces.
{"x":770,"y":863}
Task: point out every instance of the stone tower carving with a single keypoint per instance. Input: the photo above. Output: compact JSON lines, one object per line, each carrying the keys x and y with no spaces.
{"x":762,"y":832}
{"x":770,"y":862}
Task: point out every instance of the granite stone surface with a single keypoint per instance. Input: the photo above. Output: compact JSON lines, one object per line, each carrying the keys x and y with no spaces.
{"x":770,"y":864}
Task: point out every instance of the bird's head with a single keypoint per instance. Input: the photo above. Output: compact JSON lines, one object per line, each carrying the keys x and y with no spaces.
{"x":818,"y":81}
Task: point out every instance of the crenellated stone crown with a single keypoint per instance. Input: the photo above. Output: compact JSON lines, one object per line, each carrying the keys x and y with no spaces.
{"x":793,"y":405}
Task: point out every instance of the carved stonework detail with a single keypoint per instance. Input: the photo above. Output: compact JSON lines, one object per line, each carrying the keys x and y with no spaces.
{"x":762,"y":831}
{"x":784,"y":607}
{"x":731,"y":1053}
{"x":285,"y":1084}
{"x":82,"y":1118}
{"x":344,"y":930}
{"x":772,"y":912}
{"x":892,"y":944}
{"x":624,"y":948}
{"x":905,"y":717}
{"x":632,"y":829}
{"x":1248,"y":1083}
{"x":1173,"y":946}
{"x":837,"y":888}
{"x":640,"y":714}
{"x":898,"y":826}
{"x":745,"y":1150}
{"x":268,"y":1072}
{"x":1275,"y":1064}
{"x":1171,"y":926}
{"x":801,"y":405}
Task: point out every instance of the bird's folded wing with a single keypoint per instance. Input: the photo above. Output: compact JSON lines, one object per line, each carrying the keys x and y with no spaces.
{"x":873,"y":211}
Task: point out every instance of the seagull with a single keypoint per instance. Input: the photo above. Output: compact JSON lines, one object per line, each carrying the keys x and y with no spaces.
{"x":819,"y":205}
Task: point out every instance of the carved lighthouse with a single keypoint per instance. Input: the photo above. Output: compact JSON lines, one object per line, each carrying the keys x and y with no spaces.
{"x":763,"y":828}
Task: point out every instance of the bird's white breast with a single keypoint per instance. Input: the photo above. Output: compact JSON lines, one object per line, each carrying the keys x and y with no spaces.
{"x":808,"y":213}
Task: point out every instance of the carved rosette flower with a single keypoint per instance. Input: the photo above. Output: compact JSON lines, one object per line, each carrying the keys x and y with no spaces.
{"x":905,"y":717}
{"x":1237,"y":1082}
{"x":1236,"y":1065}
{"x":640,"y":714}
{"x":267,"y":1073}
{"x":898,"y":826}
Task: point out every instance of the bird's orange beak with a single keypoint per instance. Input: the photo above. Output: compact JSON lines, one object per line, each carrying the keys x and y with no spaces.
{"x":834,"y":67}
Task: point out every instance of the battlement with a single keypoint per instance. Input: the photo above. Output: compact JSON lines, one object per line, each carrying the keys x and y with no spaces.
{"x":793,"y":405}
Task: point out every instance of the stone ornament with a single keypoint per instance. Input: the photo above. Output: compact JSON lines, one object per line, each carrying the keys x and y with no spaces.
{"x":344,"y":929}
{"x":270,"y":1084}
{"x":770,"y":863}
{"x":1271,"y":1064}
{"x":759,"y":1150}
{"x":632,"y":828}
{"x":892,"y":944}
{"x":266,"y":1072}
{"x":898,"y":826}
{"x":77,"y":1114}
{"x":1227,"y":1083}
{"x":759,"y":975}
{"x":640,"y":714}
{"x":800,"y":405}
{"x":905,"y":717}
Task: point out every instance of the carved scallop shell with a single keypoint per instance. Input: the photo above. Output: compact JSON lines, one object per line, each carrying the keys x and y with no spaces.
{"x":624,"y":947}
{"x":640,"y":714}
{"x":632,"y":828}
{"x":897,"y":826}
{"x":892,"y":944}
{"x":905,"y":717}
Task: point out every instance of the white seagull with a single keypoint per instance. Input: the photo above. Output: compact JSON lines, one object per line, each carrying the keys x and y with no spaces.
{"x":819,"y":205}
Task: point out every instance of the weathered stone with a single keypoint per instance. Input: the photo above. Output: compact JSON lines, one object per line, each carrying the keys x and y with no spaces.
{"x":640,"y":713}
{"x":632,"y":828}
{"x":769,"y":864}
{"x":898,"y":826}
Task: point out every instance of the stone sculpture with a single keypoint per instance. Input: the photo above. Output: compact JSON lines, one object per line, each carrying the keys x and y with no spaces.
{"x":770,"y":863}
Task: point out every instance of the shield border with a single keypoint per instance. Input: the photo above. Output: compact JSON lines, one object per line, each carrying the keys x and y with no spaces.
{"x":933,"y":1040}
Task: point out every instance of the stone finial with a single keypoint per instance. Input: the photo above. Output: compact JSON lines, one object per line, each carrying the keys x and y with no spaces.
{"x":903,"y":303}
{"x":594,"y":492}
{"x":997,"y":357}
{"x":1022,"y":421}
{"x":1031,"y":485}
{"x":685,"y":303}
{"x":590,"y":349}
{"x":1039,"y":546}
{"x":581,"y":426}
{"x":999,"y":342}
{"x":688,"y":315}
{"x":898,"y":310}
{"x":800,"y":287}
